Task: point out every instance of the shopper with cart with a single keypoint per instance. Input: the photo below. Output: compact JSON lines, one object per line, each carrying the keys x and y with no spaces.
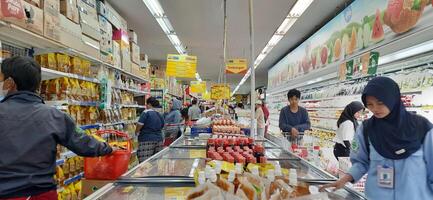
{"x":149,"y":130}
{"x":30,"y":132}
{"x":347,"y":124}
{"x":395,"y":147}
{"x":294,"y":118}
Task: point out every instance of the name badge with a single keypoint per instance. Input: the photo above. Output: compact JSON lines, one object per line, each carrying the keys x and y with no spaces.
{"x":385,"y":176}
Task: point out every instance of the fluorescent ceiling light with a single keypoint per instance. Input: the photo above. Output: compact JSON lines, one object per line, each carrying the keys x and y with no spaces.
{"x":297,"y":10}
{"x":174,"y":39}
{"x":155,"y":7}
{"x":158,"y":13}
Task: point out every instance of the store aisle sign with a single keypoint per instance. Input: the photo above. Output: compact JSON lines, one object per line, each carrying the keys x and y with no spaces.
{"x":362,"y":66}
{"x":362,"y":25}
{"x":236,"y":66}
{"x":198,"y":87}
{"x":220,"y":91}
{"x":182,"y":66}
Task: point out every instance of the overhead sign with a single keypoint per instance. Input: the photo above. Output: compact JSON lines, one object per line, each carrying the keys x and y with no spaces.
{"x":220,"y":91}
{"x":198,"y":86}
{"x":236,"y":66}
{"x":182,"y":66}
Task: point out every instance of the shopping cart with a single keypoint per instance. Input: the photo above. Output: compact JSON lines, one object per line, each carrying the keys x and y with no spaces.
{"x":298,"y":140}
{"x":171,"y":132}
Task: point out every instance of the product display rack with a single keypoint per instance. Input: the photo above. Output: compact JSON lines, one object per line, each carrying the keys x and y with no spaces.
{"x":171,"y":171}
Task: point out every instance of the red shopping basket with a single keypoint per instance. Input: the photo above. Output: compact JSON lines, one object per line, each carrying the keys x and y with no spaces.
{"x":108,"y":167}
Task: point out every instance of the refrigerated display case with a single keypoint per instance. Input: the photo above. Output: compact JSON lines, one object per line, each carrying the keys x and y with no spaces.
{"x":169,"y":174}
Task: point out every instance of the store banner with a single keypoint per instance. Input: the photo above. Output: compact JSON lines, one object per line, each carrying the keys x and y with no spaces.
{"x":362,"y":25}
{"x":182,"y":66}
{"x":198,"y":86}
{"x":236,"y":66}
{"x":220,"y":92}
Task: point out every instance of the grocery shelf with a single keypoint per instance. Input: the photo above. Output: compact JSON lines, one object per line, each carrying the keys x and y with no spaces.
{"x":73,"y":179}
{"x":131,"y":106}
{"x":171,"y":94}
{"x":324,"y":108}
{"x":120,"y":122}
{"x":333,"y":118}
{"x":64,"y":156}
{"x":323,"y":129}
{"x":48,"y":74}
{"x":25,"y":38}
{"x":71,"y":102}
{"x":135,"y":91}
{"x":91,"y":126}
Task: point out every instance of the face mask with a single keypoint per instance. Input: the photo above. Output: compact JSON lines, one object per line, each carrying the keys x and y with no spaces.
{"x":3,"y":92}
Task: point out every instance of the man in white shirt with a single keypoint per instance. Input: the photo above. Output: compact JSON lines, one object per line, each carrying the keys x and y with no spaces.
{"x":194,"y":112}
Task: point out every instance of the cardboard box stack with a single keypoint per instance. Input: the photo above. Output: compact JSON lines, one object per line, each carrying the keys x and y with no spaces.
{"x":52,"y":19}
{"x":121,"y":37}
{"x":90,"y":27}
{"x":135,"y":49}
{"x":106,"y":40}
{"x":69,"y":9}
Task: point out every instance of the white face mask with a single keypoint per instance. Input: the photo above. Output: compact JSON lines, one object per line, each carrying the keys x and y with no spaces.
{"x":3,"y":92}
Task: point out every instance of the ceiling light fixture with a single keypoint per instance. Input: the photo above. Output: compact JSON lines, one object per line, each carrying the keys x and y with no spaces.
{"x":297,"y":10}
{"x":158,"y":13}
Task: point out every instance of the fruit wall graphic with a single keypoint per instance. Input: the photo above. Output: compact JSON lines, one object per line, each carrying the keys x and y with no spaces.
{"x":361,"y":26}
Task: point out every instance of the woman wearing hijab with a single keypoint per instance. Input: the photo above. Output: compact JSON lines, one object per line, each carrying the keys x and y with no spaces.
{"x":395,"y":148}
{"x":347,"y":124}
{"x":174,"y":117}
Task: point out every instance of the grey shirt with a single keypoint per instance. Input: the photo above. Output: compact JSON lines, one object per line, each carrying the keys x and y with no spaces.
{"x":194,"y":112}
{"x":29,"y":134}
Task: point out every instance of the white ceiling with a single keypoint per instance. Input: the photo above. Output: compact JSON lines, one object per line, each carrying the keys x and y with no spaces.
{"x":199,"y":25}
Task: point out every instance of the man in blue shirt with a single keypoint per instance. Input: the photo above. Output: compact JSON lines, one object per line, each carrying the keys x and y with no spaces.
{"x":293,"y":118}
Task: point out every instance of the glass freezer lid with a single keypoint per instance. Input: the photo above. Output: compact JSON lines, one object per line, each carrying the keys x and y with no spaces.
{"x":188,"y":141}
{"x":304,"y":171}
{"x":167,"y":167}
{"x":184,"y":153}
{"x":278,"y":154}
{"x":143,"y":191}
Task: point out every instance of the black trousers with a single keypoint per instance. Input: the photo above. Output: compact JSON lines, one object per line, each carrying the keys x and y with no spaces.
{"x":342,"y":151}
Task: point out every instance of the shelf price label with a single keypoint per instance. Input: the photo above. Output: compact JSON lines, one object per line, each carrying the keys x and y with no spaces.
{"x":182,"y":66}
{"x":176,"y":193}
{"x":197,"y":153}
{"x":236,"y":66}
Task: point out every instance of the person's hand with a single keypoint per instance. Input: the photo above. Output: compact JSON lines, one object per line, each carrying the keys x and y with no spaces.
{"x":295,"y":132}
{"x":337,"y":184}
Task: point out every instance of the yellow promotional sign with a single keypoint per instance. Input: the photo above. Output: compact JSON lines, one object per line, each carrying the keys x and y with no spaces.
{"x":182,"y":66}
{"x":236,"y":66}
{"x":206,"y":96}
{"x":198,"y":86}
{"x":220,"y":91}
{"x":176,"y":193}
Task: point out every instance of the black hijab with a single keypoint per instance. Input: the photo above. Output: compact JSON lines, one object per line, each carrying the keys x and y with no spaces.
{"x":349,"y":113}
{"x":401,"y":133}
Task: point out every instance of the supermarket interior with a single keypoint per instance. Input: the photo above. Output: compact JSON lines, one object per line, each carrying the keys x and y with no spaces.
{"x":216,"y":99}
